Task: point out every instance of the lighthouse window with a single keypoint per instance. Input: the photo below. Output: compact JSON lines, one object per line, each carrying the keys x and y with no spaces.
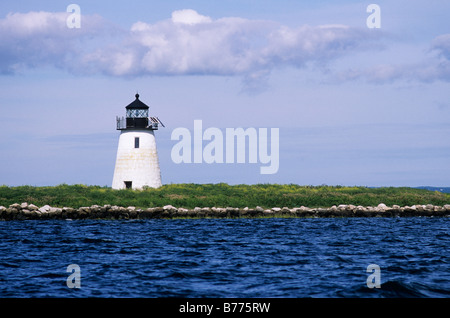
{"x":137,"y":113}
{"x":136,"y":142}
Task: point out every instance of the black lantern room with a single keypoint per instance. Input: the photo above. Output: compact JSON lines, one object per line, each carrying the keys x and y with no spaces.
{"x":137,"y":117}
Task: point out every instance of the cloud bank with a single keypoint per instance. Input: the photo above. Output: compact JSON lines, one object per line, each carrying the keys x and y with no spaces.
{"x":193,"y":44}
{"x":35,"y":39}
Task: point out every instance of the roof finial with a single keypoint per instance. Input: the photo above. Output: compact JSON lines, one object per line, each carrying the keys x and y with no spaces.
{"x":137,"y":95}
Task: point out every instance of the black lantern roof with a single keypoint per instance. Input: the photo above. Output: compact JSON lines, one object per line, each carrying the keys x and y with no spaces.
{"x":137,"y":104}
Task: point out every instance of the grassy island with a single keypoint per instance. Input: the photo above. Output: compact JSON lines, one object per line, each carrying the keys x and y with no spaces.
{"x":190,"y":196}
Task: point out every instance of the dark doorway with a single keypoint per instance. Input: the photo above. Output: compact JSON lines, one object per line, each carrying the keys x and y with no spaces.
{"x":127,"y":184}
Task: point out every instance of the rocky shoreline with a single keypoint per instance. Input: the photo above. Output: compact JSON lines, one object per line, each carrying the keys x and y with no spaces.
{"x":25,"y":211}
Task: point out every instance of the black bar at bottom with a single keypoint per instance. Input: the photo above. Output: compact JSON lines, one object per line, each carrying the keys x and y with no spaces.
{"x":215,"y":307}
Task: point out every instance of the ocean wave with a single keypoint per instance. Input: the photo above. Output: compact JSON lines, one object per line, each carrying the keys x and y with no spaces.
{"x":226,"y":258}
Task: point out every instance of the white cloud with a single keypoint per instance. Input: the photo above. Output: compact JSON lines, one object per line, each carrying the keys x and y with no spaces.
{"x":190,"y":43}
{"x":442,"y":45}
{"x":188,"y":16}
{"x":41,"y":38}
{"x":433,"y":66}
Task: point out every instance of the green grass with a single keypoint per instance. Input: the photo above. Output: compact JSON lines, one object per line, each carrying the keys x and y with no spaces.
{"x":220,"y":195}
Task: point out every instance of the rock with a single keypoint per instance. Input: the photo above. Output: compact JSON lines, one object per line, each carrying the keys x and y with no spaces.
{"x":44,"y":209}
{"x":33,"y":207}
{"x":10,"y":211}
{"x":285,"y":210}
{"x":95,"y":208}
{"x":25,"y":211}
{"x":359,"y":211}
{"x":232,"y":212}
{"x":54,"y":212}
{"x":146,"y":214}
{"x":324,"y":212}
{"x":409,"y":209}
{"x":215,"y":211}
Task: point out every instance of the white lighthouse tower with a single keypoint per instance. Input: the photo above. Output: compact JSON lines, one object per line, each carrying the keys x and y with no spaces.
{"x":137,"y":162}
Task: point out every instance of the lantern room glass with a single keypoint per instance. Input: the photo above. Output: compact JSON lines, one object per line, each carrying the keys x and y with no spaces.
{"x":137,"y":113}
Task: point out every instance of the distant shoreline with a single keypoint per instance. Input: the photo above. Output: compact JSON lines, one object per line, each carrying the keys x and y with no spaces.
{"x":25,"y":211}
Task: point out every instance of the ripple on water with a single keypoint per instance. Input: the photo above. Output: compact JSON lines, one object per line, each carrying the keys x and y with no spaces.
{"x":226,"y":257}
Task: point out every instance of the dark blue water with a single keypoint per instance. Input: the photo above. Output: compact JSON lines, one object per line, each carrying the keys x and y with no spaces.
{"x":226,"y":257}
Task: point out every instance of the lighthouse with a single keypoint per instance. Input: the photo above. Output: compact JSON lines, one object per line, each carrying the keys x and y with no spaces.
{"x":137,"y":163}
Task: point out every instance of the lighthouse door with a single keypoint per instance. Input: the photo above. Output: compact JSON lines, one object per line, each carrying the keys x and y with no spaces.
{"x":127,"y":184}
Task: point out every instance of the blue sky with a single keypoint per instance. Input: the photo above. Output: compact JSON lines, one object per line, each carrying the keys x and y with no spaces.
{"x":354,"y":106}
